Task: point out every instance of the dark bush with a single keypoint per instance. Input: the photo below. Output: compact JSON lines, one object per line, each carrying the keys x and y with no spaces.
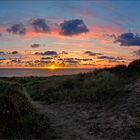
{"x":119,"y":70}
{"x":134,"y":67}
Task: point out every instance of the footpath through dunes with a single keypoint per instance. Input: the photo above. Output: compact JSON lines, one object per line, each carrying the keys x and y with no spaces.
{"x":117,"y":120}
{"x":67,"y":120}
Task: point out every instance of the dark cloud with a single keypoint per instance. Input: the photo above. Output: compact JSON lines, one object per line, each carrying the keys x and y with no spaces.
{"x":64,"y":52}
{"x":15,"y":52}
{"x":50,"y":53}
{"x":35,"y":45}
{"x":76,"y":60}
{"x":0,"y":34}
{"x":2,"y":59}
{"x":110,"y":36}
{"x":71,"y":60}
{"x":46,"y":62}
{"x":2,"y":53}
{"x":36,"y":61}
{"x":137,"y":53}
{"x":40,"y":25}
{"x":128,"y":39}
{"x":92,"y":53}
{"x":73,"y":27}
{"x":16,"y":60}
{"x":38,"y":53}
{"x":46,"y":58}
{"x":111,"y":58}
{"x":86,"y":59}
{"x":17,"y":29}
{"x":106,"y":57}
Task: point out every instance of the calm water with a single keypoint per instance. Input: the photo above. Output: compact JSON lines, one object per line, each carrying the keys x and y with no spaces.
{"x":39,"y":72}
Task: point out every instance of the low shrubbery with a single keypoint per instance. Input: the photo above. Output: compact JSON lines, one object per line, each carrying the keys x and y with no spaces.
{"x":100,"y":85}
{"x":92,"y":88}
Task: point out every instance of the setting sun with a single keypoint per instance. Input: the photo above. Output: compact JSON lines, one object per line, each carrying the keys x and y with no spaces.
{"x":52,"y":67}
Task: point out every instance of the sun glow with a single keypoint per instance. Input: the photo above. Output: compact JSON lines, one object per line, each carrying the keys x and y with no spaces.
{"x":52,"y":67}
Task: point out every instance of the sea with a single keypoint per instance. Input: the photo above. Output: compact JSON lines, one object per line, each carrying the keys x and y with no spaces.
{"x":26,"y":72}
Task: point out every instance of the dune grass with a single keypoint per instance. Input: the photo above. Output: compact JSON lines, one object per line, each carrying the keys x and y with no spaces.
{"x":96,"y":86}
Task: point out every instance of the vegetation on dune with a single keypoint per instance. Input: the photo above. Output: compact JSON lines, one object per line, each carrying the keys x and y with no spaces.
{"x":104,"y":102}
{"x":19,"y":120}
{"x":98,"y":86}
{"x":117,"y":112}
{"x":134,"y":67}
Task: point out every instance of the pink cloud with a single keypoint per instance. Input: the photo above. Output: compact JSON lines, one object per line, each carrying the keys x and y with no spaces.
{"x":95,"y":31}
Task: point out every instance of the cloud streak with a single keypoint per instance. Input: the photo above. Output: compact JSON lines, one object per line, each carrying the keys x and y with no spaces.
{"x":35,"y":45}
{"x":47,"y":58}
{"x":92,"y":53}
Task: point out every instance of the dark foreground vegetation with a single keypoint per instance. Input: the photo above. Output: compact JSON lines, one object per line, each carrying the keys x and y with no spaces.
{"x":18,"y":119}
{"x":109,"y":98}
{"x":99,"y":86}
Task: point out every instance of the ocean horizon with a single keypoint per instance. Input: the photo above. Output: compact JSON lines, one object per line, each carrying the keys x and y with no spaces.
{"x":40,"y":72}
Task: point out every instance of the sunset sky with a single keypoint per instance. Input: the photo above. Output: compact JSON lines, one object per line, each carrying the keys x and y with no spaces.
{"x":76,"y":33}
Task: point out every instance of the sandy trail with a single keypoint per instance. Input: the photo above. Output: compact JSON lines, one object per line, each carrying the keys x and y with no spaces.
{"x":68,"y":120}
{"x":71,"y":121}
